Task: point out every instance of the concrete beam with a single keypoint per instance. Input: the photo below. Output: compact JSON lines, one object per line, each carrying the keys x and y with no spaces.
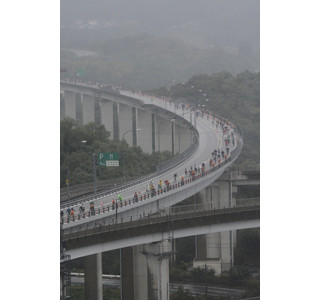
{"x":159,"y":236}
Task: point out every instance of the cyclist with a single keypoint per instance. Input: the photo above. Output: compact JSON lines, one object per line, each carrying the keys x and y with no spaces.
{"x":135,"y":197}
{"x":175,"y":177}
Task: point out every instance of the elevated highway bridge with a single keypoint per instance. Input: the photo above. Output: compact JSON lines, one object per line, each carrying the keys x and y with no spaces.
{"x":192,"y":136}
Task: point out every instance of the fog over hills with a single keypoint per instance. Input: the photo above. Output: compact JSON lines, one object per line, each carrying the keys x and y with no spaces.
{"x":203,"y":23}
{"x":151,"y":43}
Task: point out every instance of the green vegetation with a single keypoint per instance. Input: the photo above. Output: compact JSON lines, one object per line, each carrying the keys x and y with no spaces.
{"x":78,"y":155}
{"x":247,"y":251}
{"x":180,"y":294}
{"x":236,"y":98}
{"x":77,"y":293}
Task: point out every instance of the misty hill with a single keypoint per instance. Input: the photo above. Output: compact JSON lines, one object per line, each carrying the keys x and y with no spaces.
{"x":145,"y":62}
{"x":203,"y":23}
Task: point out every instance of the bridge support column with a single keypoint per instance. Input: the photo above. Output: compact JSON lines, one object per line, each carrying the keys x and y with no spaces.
{"x":62,"y":106}
{"x":125,"y":123}
{"x":106,"y":108}
{"x":145,"y":122}
{"x":216,"y":249}
{"x":93,"y":277}
{"x":87,"y":108}
{"x":135,"y":126}
{"x":70,"y":104}
{"x":145,"y":271}
{"x":182,"y":138}
{"x":116,"y":122}
{"x":165,"y":133}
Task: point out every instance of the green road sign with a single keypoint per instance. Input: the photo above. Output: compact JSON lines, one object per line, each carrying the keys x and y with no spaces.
{"x":108,"y":159}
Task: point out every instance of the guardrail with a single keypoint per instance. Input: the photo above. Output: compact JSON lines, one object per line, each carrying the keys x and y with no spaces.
{"x":164,"y":215}
{"x":170,"y":164}
{"x":166,"y":166}
{"x":145,"y":196}
{"x":182,"y":157}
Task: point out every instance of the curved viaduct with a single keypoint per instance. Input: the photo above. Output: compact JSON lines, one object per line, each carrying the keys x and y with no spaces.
{"x":155,"y":124}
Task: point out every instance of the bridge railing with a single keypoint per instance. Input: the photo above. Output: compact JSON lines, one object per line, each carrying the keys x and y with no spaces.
{"x":170,"y":165}
{"x":166,"y":167}
{"x":166,"y":215}
{"x":145,"y":196}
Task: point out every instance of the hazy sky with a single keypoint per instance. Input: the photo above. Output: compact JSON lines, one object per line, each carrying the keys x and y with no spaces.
{"x":206,"y":22}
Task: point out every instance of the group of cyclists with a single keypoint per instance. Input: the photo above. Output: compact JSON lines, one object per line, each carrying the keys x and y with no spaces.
{"x":217,"y":156}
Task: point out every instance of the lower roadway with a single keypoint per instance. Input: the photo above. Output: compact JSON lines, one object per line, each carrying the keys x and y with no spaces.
{"x":194,"y":289}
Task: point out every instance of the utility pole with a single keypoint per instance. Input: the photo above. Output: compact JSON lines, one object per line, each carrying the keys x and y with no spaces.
{"x":94,"y":173}
{"x":205,"y":266}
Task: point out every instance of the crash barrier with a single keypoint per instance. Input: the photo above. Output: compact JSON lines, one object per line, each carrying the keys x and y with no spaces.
{"x":156,"y":192}
{"x":167,"y":214}
{"x":166,"y":166}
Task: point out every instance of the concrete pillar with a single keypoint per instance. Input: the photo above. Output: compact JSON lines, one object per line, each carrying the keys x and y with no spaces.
{"x":125,"y":123}
{"x":87,"y":108}
{"x":62,"y":106}
{"x":164,"y":133}
{"x":146,"y":275}
{"x":116,"y":121}
{"x":106,"y":108}
{"x":144,"y":122}
{"x":70,"y":104}
{"x":79,"y":110}
{"x":93,"y":277}
{"x":135,"y":126}
{"x":63,"y":287}
{"x":173,"y":138}
{"x":97,"y":110}
{"x":182,"y":138}
{"x":216,"y":249}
